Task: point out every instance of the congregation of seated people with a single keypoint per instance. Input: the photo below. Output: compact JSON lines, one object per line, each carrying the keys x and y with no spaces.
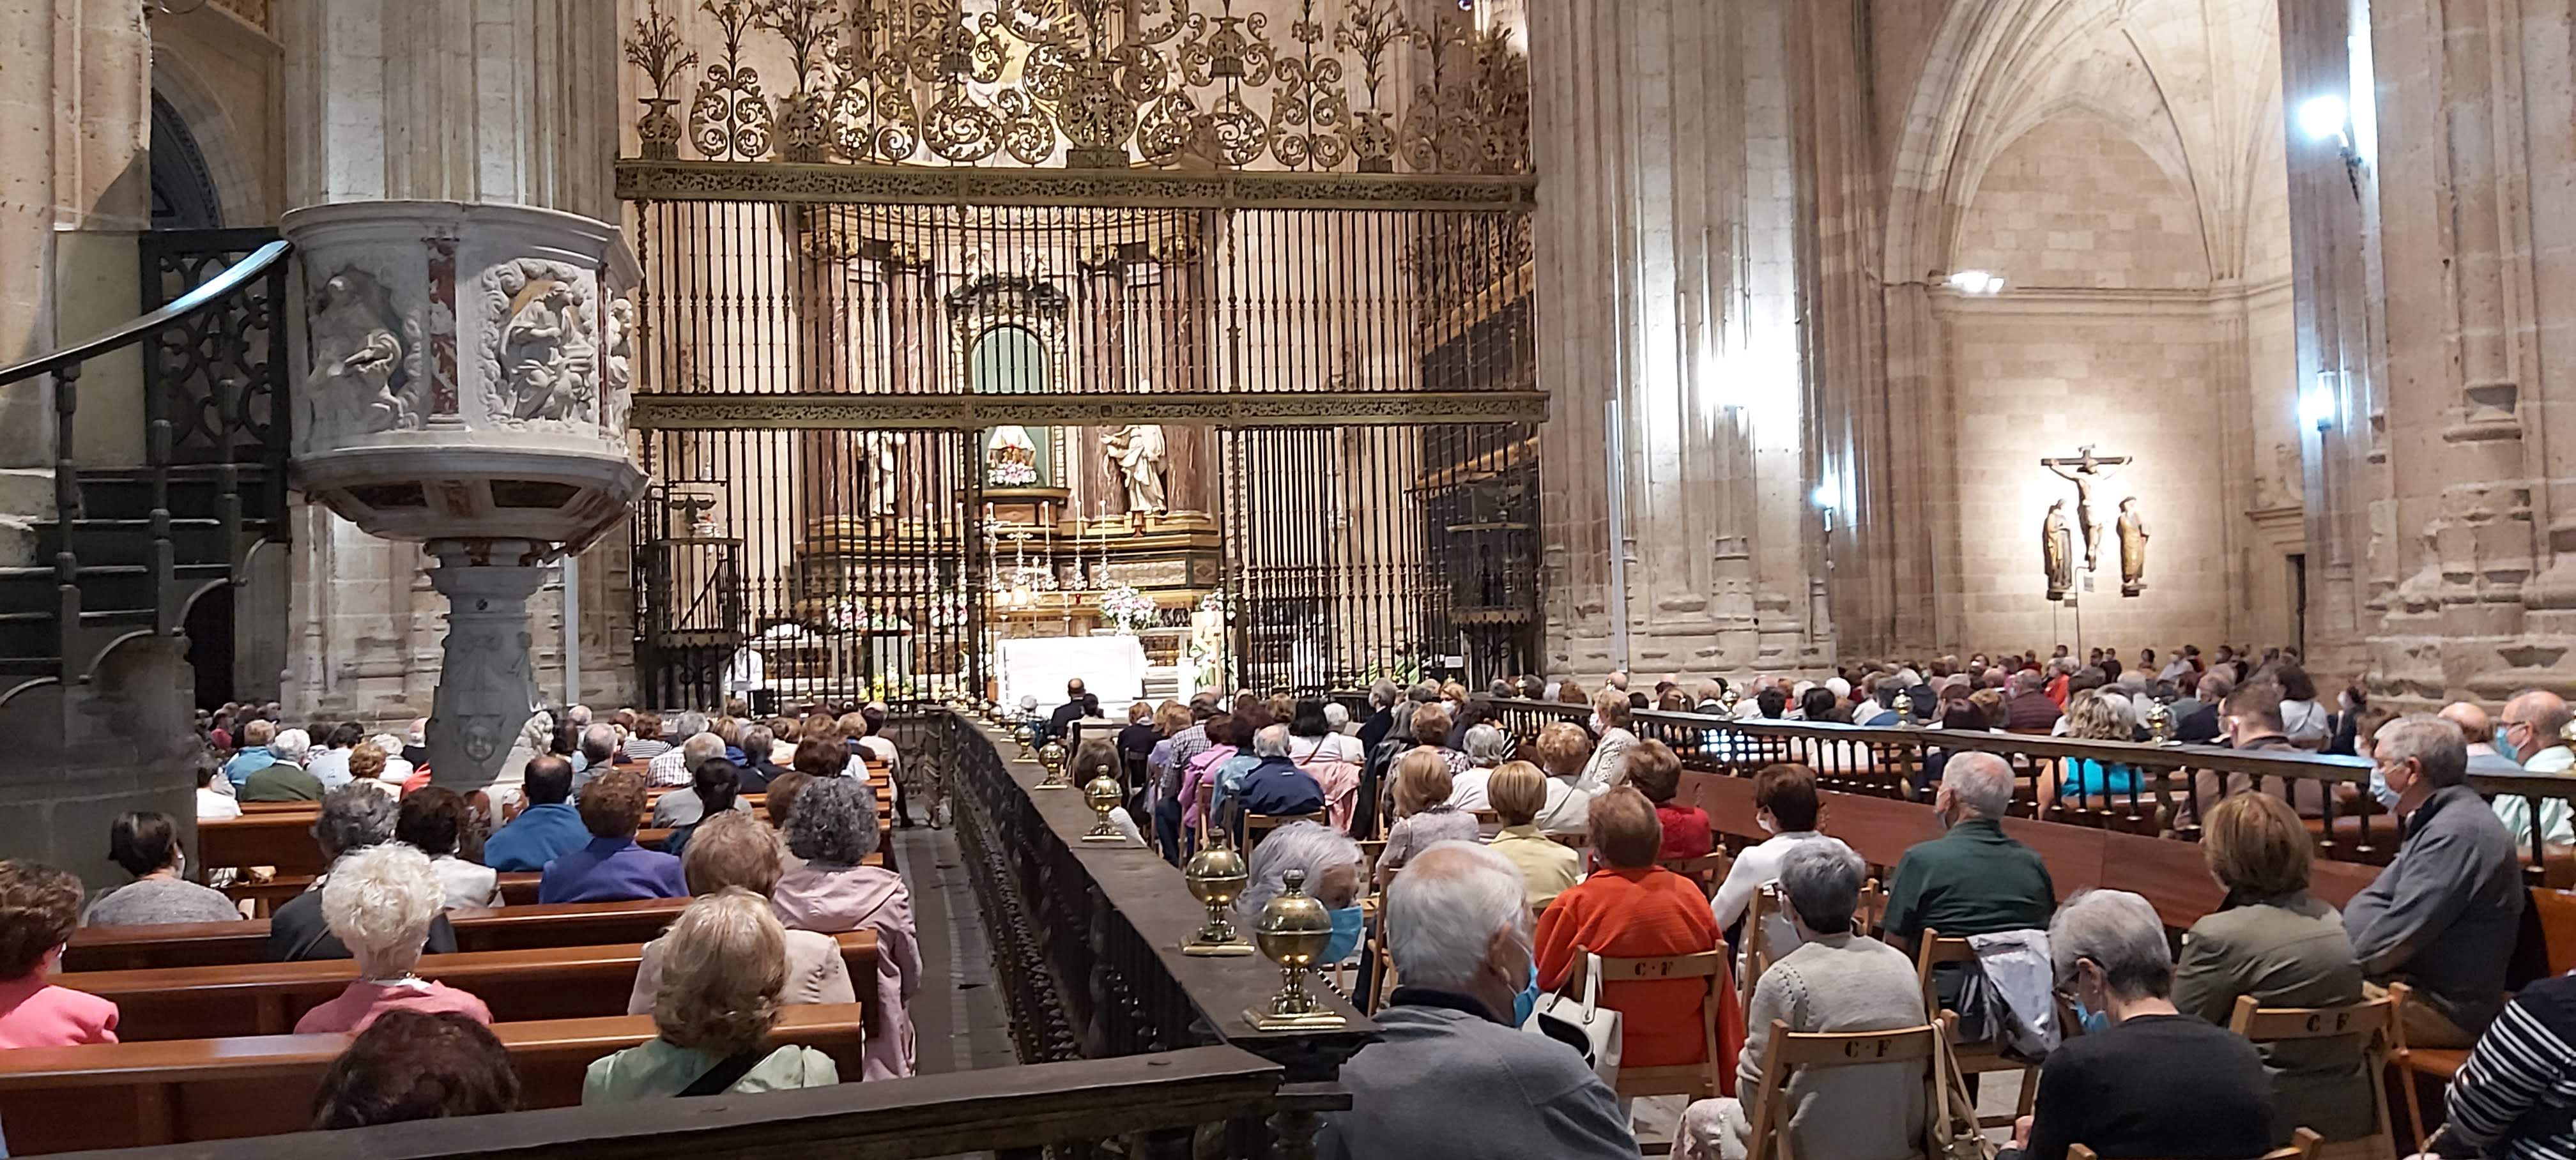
{"x":1484,"y":887}
{"x":403,"y":858}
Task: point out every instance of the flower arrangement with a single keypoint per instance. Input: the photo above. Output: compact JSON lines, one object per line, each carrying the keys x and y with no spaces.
{"x":1013,"y":473}
{"x":1129,"y":608}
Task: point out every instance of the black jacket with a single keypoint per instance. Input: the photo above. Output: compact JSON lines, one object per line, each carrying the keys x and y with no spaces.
{"x":297,"y":933}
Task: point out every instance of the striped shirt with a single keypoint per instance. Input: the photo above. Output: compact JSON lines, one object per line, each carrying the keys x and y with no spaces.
{"x":1183,"y":746}
{"x":2516,"y":1096}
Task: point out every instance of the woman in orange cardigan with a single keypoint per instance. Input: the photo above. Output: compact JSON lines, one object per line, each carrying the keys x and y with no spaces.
{"x":1635,"y":909}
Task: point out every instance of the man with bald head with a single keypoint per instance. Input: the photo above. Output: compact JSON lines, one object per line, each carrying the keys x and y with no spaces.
{"x":2528,"y":740}
{"x":1973,"y":879}
{"x":2479,"y":729}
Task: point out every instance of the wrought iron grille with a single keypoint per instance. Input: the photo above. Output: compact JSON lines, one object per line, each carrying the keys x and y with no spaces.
{"x":219,"y":377}
{"x":874,"y":415}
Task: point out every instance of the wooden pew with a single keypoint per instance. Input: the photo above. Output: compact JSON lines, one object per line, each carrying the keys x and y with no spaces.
{"x":214,"y":944}
{"x":283,"y":839}
{"x":267,"y":998}
{"x":62,"y":1099}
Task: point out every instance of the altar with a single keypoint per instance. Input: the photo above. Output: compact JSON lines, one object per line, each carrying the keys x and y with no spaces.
{"x":1110,"y":667}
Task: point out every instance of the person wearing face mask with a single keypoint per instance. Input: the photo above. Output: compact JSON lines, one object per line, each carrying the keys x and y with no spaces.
{"x":2145,"y":1080}
{"x":1609,"y":766}
{"x":1450,"y":1073}
{"x":1973,"y":879}
{"x":2531,"y":710}
{"x":1785,"y":806}
{"x":2250,"y":720}
{"x":1329,"y":863}
{"x":2443,"y":914}
{"x":1836,"y":982}
{"x":147,"y":846}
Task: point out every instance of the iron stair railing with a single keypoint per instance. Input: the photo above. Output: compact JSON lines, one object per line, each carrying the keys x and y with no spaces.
{"x":81,"y":645}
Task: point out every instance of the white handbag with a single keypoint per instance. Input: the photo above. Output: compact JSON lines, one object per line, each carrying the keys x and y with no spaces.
{"x":1583,"y":1024}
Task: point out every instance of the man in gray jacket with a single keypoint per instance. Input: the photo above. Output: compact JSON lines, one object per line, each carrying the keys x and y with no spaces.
{"x":2442,"y":916}
{"x":1451,"y":1077}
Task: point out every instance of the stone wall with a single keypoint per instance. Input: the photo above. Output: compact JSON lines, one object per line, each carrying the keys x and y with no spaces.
{"x":83,"y":754}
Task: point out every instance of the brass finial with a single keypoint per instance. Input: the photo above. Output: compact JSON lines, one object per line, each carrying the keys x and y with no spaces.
{"x":1293,"y":932}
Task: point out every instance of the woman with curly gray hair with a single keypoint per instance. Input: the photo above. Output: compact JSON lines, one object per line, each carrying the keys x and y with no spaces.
{"x":724,"y":963}
{"x":834,"y":829}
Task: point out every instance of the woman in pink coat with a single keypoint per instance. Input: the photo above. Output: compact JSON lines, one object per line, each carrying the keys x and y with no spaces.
{"x":1202,"y":768}
{"x":39,"y":906}
{"x":833,"y":827}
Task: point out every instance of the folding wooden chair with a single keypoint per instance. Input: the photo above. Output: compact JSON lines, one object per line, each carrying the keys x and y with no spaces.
{"x":1787,"y":1053}
{"x":2372,"y":1023}
{"x":1709,"y":870}
{"x":1974,"y":1058}
{"x":2441,"y":1063}
{"x":1258,"y":826}
{"x":1758,"y":951}
{"x":2302,"y":1146}
{"x":1694,"y":1080}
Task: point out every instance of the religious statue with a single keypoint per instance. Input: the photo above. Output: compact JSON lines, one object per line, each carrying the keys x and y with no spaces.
{"x":2133,"y":548}
{"x":2084,"y":470}
{"x":365,"y":357}
{"x":1011,"y":457}
{"x":883,"y":452}
{"x":2057,"y":549}
{"x":1138,"y":450}
{"x":541,"y":343}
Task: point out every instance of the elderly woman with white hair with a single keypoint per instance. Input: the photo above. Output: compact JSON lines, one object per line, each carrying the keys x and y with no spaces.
{"x":284,"y":778}
{"x":833,"y":829}
{"x":2144,"y":1079}
{"x":1331,"y":862}
{"x":1487,"y":748}
{"x":380,"y":902}
{"x":1450,"y":1075}
{"x":1836,"y":982}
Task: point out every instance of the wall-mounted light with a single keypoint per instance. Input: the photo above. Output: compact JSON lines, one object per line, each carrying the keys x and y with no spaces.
{"x":1827,"y":496}
{"x":1979,"y":283}
{"x":2326,"y":118}
{"x":2317,"y":407}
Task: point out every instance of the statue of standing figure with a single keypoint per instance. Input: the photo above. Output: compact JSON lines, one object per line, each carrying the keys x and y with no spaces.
{"x":2057,"y":550}
{"x":1139,"y":452}
{"x":2133,"y":548}
{"x":882,"y":454}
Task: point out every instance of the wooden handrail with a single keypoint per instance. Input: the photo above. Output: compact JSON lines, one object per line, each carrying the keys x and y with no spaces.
{"x":238,"y":275}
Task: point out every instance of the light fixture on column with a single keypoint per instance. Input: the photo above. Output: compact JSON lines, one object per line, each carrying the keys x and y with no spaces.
{"x":2317,"y":407}
{"x":1977,"y":283}
{"x":2327,"y":118}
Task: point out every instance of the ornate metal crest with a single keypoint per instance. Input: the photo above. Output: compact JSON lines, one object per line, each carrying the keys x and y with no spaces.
{"x":1342,"y":85}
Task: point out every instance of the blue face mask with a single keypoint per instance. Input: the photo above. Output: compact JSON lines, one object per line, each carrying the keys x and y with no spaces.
{"x":2093,"y":1022}
{"x":2503,"y":747}
{"x":1527,"y":1000}
{"x":2379,"y":790}
{"x":1346,"y":935}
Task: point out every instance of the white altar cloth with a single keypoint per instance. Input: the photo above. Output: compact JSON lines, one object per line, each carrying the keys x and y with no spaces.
{"x":1110,"y":667}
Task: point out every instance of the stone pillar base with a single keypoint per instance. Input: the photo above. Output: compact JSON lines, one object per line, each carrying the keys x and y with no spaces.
{"x":486,"y":687}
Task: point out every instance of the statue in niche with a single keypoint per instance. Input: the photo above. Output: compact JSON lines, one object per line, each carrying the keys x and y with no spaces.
{"x":2084,"y":469}
{"x":1139,"y":452}
{"x":2057,"y":549}
{"x":2133,"y":548}
{"x":882,"y":454}
{"x":617,"y":366}
{"x":1011,"y":458}
{"x":365,"y":357}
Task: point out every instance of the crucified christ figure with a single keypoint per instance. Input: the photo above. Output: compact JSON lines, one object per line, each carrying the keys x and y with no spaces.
{"x":2084,"y":469}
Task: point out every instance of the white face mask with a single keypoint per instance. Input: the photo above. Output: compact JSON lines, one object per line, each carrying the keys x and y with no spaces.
{"x":1599,"y":725}
{"x":1763,"y":820}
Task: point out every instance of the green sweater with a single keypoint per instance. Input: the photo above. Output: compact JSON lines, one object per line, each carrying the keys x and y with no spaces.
{"x":657,"y":1068}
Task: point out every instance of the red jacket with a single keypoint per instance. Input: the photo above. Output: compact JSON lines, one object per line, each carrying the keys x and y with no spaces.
{"x":1644,"y":914}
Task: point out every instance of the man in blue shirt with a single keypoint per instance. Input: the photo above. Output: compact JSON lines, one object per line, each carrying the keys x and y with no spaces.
{"x":612,"y":868}
{"x":254,"y":755}
{"x":548,"y":829}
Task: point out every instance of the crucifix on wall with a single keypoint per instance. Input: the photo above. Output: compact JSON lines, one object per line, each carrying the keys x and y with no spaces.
{"x":2084,"y":469}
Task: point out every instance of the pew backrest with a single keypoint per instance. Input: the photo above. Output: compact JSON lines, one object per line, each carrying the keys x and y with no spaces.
{"x":120,"y":1095}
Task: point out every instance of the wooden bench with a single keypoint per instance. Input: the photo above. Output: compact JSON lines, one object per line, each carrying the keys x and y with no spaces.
{"x":122,"y":1095}
{"x":267,"y":998}
{"x":215,"y":944}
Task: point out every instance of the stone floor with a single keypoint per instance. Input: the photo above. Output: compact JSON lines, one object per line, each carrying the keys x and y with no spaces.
{"x":957,"y":1017}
